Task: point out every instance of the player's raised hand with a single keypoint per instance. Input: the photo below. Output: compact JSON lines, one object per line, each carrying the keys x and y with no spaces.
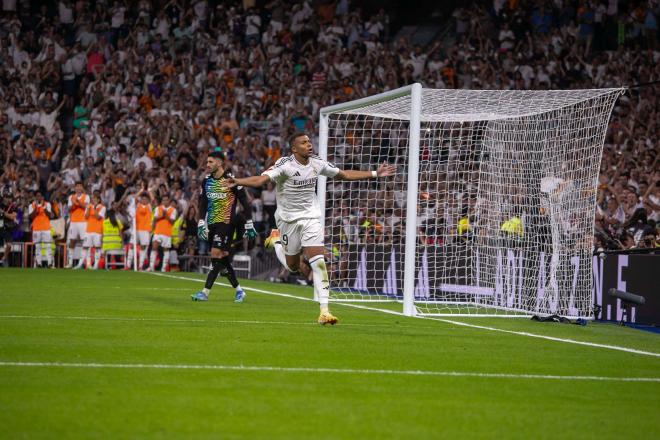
{"x":386,"y":169}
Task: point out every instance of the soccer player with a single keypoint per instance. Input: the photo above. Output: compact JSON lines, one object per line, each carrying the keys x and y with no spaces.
{"x":77,"y":203}
{"x":299,"y":228}
{"x":40,"y":213}
{"x":217,"y":208}
{"x":94,"y":215}
{"x":143,"y":221}
{"x":164,"y":218}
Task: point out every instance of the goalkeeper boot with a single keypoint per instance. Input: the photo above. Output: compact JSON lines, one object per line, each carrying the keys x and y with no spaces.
{"x":240,"y":295}
{"x":199,"y":296}
{"x":273,"y":238}
{"x":327,"y":318}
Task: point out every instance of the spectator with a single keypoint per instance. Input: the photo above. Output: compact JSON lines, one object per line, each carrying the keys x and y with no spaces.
{"x":130,"y":97}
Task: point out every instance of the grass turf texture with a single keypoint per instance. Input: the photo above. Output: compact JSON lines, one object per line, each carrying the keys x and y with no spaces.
{"x":145,"y":319}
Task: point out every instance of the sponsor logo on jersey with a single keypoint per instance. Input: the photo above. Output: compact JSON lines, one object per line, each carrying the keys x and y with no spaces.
{"x":216,"y":195}
{"x":304,"y":182}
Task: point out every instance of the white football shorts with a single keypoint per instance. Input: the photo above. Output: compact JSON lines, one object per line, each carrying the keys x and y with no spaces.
{"x":142,"y":238}
{"x":92,"y":239}
{"x":76,"y":231}
{"x":42,"y":237}
{"x":298,"y":234}
{"x":164,"y":240}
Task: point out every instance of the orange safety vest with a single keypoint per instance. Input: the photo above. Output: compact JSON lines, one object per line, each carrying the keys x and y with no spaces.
{"x":77,"y":214}
{"x":40,"y":222}
{"x":143,"y":217}
{"x":95,"y":225}
{"x":164,"y":224}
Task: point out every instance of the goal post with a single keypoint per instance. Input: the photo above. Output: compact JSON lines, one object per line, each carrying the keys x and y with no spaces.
{"x":490,"y":212}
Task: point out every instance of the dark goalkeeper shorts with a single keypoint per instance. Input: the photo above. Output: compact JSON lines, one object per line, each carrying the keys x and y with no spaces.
{"x":221,"y":235}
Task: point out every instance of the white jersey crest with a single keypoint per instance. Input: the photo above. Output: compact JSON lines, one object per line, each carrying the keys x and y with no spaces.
{"x":296,"y":186}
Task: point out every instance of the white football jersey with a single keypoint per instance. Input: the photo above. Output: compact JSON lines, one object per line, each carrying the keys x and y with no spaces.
{"x":296,"y":186}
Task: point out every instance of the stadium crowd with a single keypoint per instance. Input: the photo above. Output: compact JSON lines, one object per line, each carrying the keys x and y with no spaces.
{"x":121,"y":101}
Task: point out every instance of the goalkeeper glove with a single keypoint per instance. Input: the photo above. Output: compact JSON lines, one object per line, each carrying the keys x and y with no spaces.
{"x":202,"y":230}
{"x":250,"y":232}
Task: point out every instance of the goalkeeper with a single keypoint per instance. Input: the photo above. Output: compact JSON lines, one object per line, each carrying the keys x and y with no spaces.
{"x":217,"y":209}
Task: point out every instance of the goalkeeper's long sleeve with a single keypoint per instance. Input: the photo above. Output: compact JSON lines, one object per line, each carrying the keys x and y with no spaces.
{"x":203,"y":203}
{"x":242,"y":197}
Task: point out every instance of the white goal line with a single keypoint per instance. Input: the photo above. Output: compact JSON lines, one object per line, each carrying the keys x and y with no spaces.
{"x":448,"y":321}
{"x":268,"y":368}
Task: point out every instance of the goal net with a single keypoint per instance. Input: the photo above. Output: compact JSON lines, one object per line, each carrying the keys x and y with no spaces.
{"x":490,"y":212}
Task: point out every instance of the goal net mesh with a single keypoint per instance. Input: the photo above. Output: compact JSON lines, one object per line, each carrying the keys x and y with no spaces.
{"x":505,"y":201}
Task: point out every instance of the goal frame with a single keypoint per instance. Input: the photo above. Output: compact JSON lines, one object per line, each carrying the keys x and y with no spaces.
{"x":414,"y":118}
{"x":415,"y":92}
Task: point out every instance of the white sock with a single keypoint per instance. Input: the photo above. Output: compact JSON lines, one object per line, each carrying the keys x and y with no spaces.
{"x":321,"y":282}
{"x":174,"y":257}
{"x":87,"y":257}
{"x":69,"y":256}
{"x":281,"y":256}
{"x":166,"y":260}
{"x":152,"y":259}
{"x":49,"y":254}
{"x":37,"y":254}
{"x":129,"y":258}
{"x":97,"y":257}
{"x":206,"y":291}
{"x":79,"y":250}
{"x":143,"y":257}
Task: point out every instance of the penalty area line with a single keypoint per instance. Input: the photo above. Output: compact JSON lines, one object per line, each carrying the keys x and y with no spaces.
{"x":446,"y":321}
{"x":267,"y":368}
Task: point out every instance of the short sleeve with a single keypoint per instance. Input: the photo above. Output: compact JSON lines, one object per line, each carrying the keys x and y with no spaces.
{"x":277,"y":171}
{"x":328,"y":169}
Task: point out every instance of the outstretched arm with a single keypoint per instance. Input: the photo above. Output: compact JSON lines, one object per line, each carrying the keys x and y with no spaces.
{"x":383,"y":171}
{"x":253,"y":181}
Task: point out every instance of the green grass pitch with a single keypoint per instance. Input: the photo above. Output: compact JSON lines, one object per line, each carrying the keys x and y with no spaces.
{"x":128,"y":355}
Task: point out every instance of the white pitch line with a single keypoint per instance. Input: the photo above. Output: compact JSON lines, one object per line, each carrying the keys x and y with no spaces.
{"x":269,"y":292}
{"x":180,"y":289}
{"x":448,"y":321}
{"x":267,"y":368}
{"x":212,"y":321}
{"x":550,"y":338}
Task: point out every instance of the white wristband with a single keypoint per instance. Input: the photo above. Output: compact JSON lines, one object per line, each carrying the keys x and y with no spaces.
{"x":374,"y":174}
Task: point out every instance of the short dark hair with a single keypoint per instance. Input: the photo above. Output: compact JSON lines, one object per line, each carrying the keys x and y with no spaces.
{"x":217,"y":155}
{"x":295,"y":136}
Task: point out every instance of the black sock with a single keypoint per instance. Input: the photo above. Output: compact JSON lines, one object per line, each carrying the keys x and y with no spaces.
{"x":231,"y":275}
{"x":213,"y":273}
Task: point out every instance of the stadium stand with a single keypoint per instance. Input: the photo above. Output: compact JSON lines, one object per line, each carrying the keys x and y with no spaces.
{"x":130,"y":96}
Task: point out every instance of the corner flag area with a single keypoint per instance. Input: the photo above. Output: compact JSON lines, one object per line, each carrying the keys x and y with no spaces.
{"x":129,"y":355}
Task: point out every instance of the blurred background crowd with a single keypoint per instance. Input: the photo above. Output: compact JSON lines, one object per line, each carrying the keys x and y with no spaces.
{"x":129,"y":96}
